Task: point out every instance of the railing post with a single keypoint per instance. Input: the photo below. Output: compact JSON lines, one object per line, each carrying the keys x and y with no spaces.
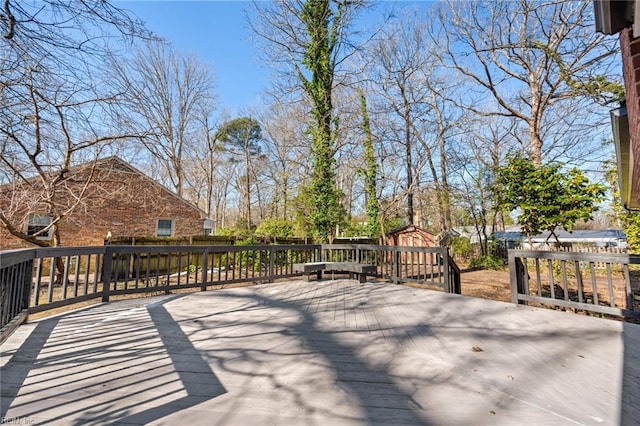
{"x":106,"y":274}
{"x":272,"y":259}
{"x":516,"y":271}
{"x":27,"y":272}
{"x":444,"y":254}
{"x":205,"y":270}
{"x":395,"y":265}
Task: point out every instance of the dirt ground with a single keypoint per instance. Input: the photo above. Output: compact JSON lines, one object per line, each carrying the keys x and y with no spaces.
{"x":495,"y":285}
{"x":487,"y":284}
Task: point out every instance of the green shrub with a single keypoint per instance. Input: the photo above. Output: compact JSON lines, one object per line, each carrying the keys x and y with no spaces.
{"x":251,"y":258}
{"x":275,"y":228}
{"x":487,"y":262}
{"x":632,"y":231}
{"x":224,"y":232}
{"x":355,"y":228}
{"x":461,"y":246}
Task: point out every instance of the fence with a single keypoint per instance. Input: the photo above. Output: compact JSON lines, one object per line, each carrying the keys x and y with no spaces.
{"x":593,"y":282}
{"x":35,"y":280}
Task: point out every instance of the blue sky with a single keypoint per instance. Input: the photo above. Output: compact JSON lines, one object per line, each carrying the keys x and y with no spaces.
{"x":218,"y":33}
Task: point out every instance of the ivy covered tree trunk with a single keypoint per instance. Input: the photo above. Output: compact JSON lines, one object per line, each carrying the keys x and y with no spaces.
{"x":370,"y":173}
{"x":322,"y":27}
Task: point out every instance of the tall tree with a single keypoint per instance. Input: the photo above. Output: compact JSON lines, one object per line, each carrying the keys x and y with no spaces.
{"x":308,"y":36}
{"x":539,"y":62}
{"x":285,"y":146}
{"x":203,"y":163}
{"x":167,"y":93}
{"x":242,"y":138}
{"x":370,"y":172}
{"x":400,"y":62}
{"x":476,"y":160}
{"x":56,"y":100}
{"x":409,"y":80}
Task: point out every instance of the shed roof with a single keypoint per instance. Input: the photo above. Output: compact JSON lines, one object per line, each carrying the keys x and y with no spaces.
{"x":409,"y":228}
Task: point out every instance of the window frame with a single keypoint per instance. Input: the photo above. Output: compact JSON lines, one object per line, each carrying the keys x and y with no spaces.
{"x":39,"y":225}
{"x":171,"y":229}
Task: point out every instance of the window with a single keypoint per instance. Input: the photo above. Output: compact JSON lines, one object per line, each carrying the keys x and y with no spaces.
{"x":208,"y":226}
{"x":165,"y":228}
{"x":36,"y":223}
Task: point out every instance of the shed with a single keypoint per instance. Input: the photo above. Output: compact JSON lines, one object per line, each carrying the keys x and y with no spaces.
{"x":410,"y":236}
{"x":413,"y":236}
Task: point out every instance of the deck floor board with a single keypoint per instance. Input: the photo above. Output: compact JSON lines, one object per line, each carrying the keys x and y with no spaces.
{"x":329,"y":352}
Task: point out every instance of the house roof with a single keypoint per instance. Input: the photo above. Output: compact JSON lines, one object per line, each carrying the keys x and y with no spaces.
{"x":577,"y":236}
{"x":409,"y":228}
{"x":114,"y":162}
{"x":119,"y":163}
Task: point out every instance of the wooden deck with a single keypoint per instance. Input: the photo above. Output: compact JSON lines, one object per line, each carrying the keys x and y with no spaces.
{"x":325,"y":353}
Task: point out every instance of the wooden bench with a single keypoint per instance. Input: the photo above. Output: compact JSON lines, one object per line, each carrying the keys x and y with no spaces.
{"x":361,"y":270}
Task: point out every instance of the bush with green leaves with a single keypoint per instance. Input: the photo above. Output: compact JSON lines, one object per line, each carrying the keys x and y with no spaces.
{"x":546,"y":196}
{"x":487,"y":262}
{"x":462,"y":247}
{"x":632,"y":231}
{"x":271,"y":227}
{"x":224,"y":232}
{"x":251,"y":258}
{"x":356,"y":228}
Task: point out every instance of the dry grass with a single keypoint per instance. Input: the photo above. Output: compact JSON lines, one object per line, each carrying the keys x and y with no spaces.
{"x":488,"y":284}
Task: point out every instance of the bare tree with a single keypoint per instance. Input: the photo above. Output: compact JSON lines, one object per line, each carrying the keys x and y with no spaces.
{"x":55,"y":103}
{"x":479,"y":154}
{"x":397,"y":72}
{"x":167,"y":93}
{"x":286,"y":146}
{"x":203,"y":162}
{"x":408,"y":79}
{"x":59,"y":35}
{"x":539,"y":62}
{"x":308,"y":40}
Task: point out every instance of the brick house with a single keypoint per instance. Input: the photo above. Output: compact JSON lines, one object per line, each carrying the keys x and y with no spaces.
{"x":116,"y":200}
{"x":623,"y":17}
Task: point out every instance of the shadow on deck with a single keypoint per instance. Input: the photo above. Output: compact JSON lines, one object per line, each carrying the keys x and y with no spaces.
{"x":330,"y":352}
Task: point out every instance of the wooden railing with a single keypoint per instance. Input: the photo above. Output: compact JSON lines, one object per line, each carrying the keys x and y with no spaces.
{"x":425,"y":265}
{"x":15,"y":285}
{"x":592,"y":282}
{"x":35,"y":280}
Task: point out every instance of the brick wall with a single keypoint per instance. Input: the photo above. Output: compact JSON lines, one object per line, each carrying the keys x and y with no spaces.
{"x":121,"y":201}
{"x":630,"y":49}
